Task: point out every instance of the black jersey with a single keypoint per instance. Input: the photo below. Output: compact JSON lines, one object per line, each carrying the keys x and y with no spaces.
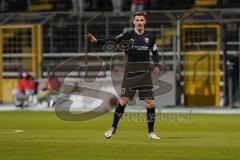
{"x":139,"y":48}
{"x":137,"y":74}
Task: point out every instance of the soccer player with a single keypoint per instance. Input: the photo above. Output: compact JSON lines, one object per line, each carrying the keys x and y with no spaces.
{"x":142,"y":43}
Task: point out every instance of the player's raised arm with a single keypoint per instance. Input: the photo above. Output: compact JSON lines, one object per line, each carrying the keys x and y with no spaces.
{"x":93,"y":39}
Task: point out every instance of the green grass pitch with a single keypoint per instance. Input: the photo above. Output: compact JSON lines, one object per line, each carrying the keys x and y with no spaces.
{"x":45,"y":137}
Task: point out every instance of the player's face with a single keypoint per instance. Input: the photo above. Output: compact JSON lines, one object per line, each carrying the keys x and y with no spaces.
{"x":139,"y":22}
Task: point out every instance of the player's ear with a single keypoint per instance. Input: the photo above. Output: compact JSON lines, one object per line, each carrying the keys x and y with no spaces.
{"x":133,"y":23}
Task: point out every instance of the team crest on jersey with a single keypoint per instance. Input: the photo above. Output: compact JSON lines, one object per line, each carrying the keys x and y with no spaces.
{"x":146,"y":40}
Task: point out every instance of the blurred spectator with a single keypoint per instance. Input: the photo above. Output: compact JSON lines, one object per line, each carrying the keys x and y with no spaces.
{"x":25,"y":90}
{"x":117,"y":5}
{"x":50,"y":91}
{"x":3,"y":5}
{"x":53,"y":92}
{"x":137,"y":5}
{"x":78,"y":6}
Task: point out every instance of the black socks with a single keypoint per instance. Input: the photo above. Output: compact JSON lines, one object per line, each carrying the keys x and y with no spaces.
{"x":120,"y":110}
{"x":118,"y":114}
{"x":150,"y":118}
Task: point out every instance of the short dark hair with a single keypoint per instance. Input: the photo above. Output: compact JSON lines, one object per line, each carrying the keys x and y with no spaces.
{"x":144,"y":14}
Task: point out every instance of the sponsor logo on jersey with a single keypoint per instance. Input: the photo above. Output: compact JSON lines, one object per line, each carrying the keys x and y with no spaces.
{"x":141,"y":48}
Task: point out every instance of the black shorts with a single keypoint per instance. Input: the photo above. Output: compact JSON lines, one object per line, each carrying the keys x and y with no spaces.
{"x":141,"y":82}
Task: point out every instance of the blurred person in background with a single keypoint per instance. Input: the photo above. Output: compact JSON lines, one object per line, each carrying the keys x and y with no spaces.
{"x":49,"y":92}
{"x":137,"y":5}
{"x":78,"y":6}
{"x":53,"y":92}
{"x":3,"y":5}
{"x":26,"y":88}
{"x":117,"y":5}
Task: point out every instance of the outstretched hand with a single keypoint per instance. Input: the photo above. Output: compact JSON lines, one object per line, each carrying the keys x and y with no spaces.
{"x":90,"y":38}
